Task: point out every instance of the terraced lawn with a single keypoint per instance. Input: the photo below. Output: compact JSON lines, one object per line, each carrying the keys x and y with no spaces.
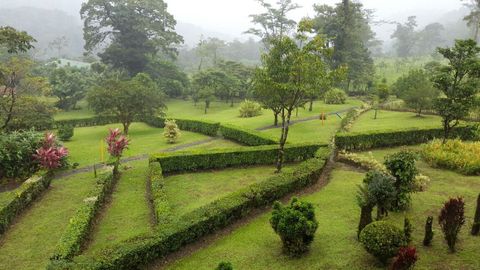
{"x":389,"y":120}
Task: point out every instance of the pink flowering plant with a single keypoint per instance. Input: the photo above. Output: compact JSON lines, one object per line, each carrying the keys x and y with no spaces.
{"x":51,"y":155}
{"x":117,"y":143}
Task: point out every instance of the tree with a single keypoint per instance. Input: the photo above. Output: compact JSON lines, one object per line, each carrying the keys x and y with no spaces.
{"x":347,"y":27}
{"x":69,"y":85}
{"x":458,"y":81}
{"x":405,"y":37}
{"x":134,"y":30}
{"x":243,"y":75}
{"x":476,"y":219}
{"x":15,"y":41}
{"x":473,"y":18}
{"x":174,"y":82}
{"x":209,"y":84}
{"x":127,"y":100}
{"x":59,"y":44}
{"x":430,"y":38}
{"x":416,"y":89}
{"x":451,"y":220}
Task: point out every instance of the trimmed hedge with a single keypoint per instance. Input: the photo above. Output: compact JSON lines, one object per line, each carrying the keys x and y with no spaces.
{"x":199,"y":126}
{"x":246,"y":136}
{"x":134,"y":253}
{"x":389,"y":138}
{"x":21,"y":198}
{"x":222,"y":158}
{"x":161,"y":207}
{"x":87,"y":122}
{"x":80,"y":224}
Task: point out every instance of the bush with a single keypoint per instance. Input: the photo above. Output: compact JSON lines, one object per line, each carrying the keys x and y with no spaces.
{"x":365,"y":162}
{"x":451,"y":220}
{"x":406,"y":259}
{"x":171,"y":131}
{"x":352,"y":115}
{"x":335,"y":96}
{"x":382,"y":239}
{"x":380,"y":191}
{"x":296,"y":225}
{"x":250,"y":108}
{"x":246,"y":136}
{"x":420,"y":183}
{"x":65,"y":132}
{"x":476,"y":219}
{"x":224,"y":266}
{"x":402,"y":166}
{"x":427,"y":241}
{"x":16,"y":153}
{"x":454,"y":155}
{"x":407,"y":230}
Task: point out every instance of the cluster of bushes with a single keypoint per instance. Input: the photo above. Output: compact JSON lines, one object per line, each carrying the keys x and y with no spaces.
{"x":246,"y":136}
{"x":80,"y":224}
{"x":352,"y":115}
{"x":335,"y":96}
{"x":375,"y":139}
{"x":249,"y":108}
{"x":456,"y":155}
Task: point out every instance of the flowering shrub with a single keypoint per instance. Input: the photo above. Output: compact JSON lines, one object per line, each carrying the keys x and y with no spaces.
{"x":363,"y":161}
{"x":420,"y":183}
{"x":406,"y":259}
{"x":457,"y":155}
{"x":50,"y":155}
{"x":249,"y":109}
{"x":171,"y":131}
{"x":116,"y":142}
{"x":451,"y":220}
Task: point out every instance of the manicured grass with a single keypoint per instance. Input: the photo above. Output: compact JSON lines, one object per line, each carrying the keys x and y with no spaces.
{"x":128,"y":214}
{"x":82,"y":111}
{"x":216,"y":144}
{"x":189,"y":191}
{"x":84,"y":147}
{"x":32,"y":239}
{"x":388,"y":120}
{"x":255,"y":246}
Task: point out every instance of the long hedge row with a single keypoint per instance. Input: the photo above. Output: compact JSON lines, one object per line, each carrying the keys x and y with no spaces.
{"x":81,"y":223}
{"x":161,"y":207}
{"x":200,"y":126}
{"x":374,"y":139}
{"x":86,"y":122}
{"x":19,"y":199}
{"x":222,"y":158}
{"x":246,"y":136}
{"x":136,"y":252}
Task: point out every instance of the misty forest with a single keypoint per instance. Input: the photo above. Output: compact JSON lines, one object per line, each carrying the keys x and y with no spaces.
{"x":228,"y":134}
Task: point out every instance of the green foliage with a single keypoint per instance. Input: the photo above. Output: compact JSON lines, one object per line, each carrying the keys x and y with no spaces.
{"x":81,"y":223}
{"x":246,"y":136}
{"x":382,"y":240}
{"x":250,"y":109}
{"x":365,"y":162}
{"x":427,"y":240}
{"x":15,"y":41}
{"x":295,"y":224}
{"x":21,"y":198}
{"x":451,"y":220}
{"x":416,"y":90}
{"x":171,"y":131}
{"x":407,"y":230}
{"x":380,"y":191}
{"x":31,"y":112}
{"x":405,"y":37}
{"x":65,"y":132}
{"x":199,"y":126}
{"x":173,"y":81}
{"x":224,"y":266}
{"x":161,"y":205}
{"x":69,"y":84}
{"x":402,"y":166}
{"x":212,"y":83}
{"x":476,"y":219}
{"x":454,"y":155}
{"x":335,"y":96}
{"x":352,"y":115}
{"x":16,"y":153}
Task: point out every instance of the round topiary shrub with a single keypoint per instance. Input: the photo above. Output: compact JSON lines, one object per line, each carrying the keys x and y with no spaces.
{"x":65,"y":132}
{"x":335,"y":96}
{"x":295,"y":224}
{"x":249,"y":109}
{"x":382,"y":240}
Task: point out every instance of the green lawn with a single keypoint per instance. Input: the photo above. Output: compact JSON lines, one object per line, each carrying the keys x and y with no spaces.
{"x":85,"y":145}
{"x":388,"y":120}
{"x":82,"y":111}
{"x":255,"y":246}
{"x":128,"y":213}
{"x":189,"y":191}
{"x":30,"y":241}
{"x":216,"y":144}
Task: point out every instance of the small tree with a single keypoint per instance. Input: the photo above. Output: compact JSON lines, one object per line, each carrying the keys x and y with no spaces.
{"x":407,"y":230}
{"x":69,"y":85}
{"x":171,"y":131}
{"x":451,"y":220}
{"x":116,"y":143}
{"x":406,"y":259}
{"x":381,"y":191}
{"x":296,"y":225}
{"x":427,"y":241}
{"x":476,"y":220}
{"x":458,"y":81}
{"x":402,"y":166}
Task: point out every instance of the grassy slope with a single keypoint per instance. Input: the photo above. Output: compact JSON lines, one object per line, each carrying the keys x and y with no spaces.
{"x":29,"y":243}
{"x":338,"y":214}
{"x":387,"y":120}
{"x":128,"y":214}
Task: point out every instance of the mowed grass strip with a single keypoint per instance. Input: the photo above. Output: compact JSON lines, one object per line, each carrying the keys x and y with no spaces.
{"x":127,"y":214}
{"x":390,"y":120}
{"x":30,"y":242}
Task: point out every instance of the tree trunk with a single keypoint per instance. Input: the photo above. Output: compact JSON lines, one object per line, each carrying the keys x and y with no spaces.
{"x":376,"y":112}
{"x":310,"y":108}
{"x":296,"y":112}
{"x":365,"y":218}
{"x":427,"y":240}
{"x":9,"y":111}
{"x":275,"y":121}
{"x":126,"y":125}
{"x":476,"y":219}
{"x":283,"y":139}
{"x":231,"y":104}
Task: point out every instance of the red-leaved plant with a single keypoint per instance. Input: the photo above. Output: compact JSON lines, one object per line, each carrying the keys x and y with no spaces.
{"x":117,"y":143}
{"x":451,"y":220}
{"x":406,"y":259}
{"x":51,"y":156}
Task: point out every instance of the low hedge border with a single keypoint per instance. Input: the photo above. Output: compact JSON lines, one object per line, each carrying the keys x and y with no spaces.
{"x":80,"y":224}
{"x":161,"y":207}
{"x":223,"y":158}
{"x":22,"y":197}
{"x":87,"y":122}
{"x":136,"y":252}
{"x":246,"y":136}
{"x":352,"y":115}
{"x":200,"y":126}
{"x":376,"y":139}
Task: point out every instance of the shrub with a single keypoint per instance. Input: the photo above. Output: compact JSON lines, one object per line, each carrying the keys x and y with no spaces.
{"x":402,"y":166}
{"x":116,"y":143}
{"x":382,"y":240}
{"x":420,"y":183}
{"x":50,"y":155}
{"x":381,"y":191}
{"x":224,"y":266}
{"x":65,"y":132}
{"x":407,"y":230}
{"x":246,"y":136}
{"x":476,"y":219}
{"x":335,"y":96}
{"x":171,"y":131}
{"x":352,"y":115}
{"x":16,"y":153}
{"x":250,"y":108}
{"x":451,"y":220}
{"x":362,"y":161}
{"x":296,"y":225}
{"x":453,"y":154}
{"x":427,"y":241}
{"x":406,"y":259}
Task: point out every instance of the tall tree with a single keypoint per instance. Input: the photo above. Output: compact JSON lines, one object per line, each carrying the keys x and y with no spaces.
{"x":131,"y":31}
{"x":347,"y":26}
{"x":405,"y":37}
{"x":212,"y":83}
{"x":473,"y":18}
{"x":15,"y":41}
{"x":69,"y":85}
{"x":458,"y":81}
{"x":430,"y":38}
{"x":274,"y":22}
